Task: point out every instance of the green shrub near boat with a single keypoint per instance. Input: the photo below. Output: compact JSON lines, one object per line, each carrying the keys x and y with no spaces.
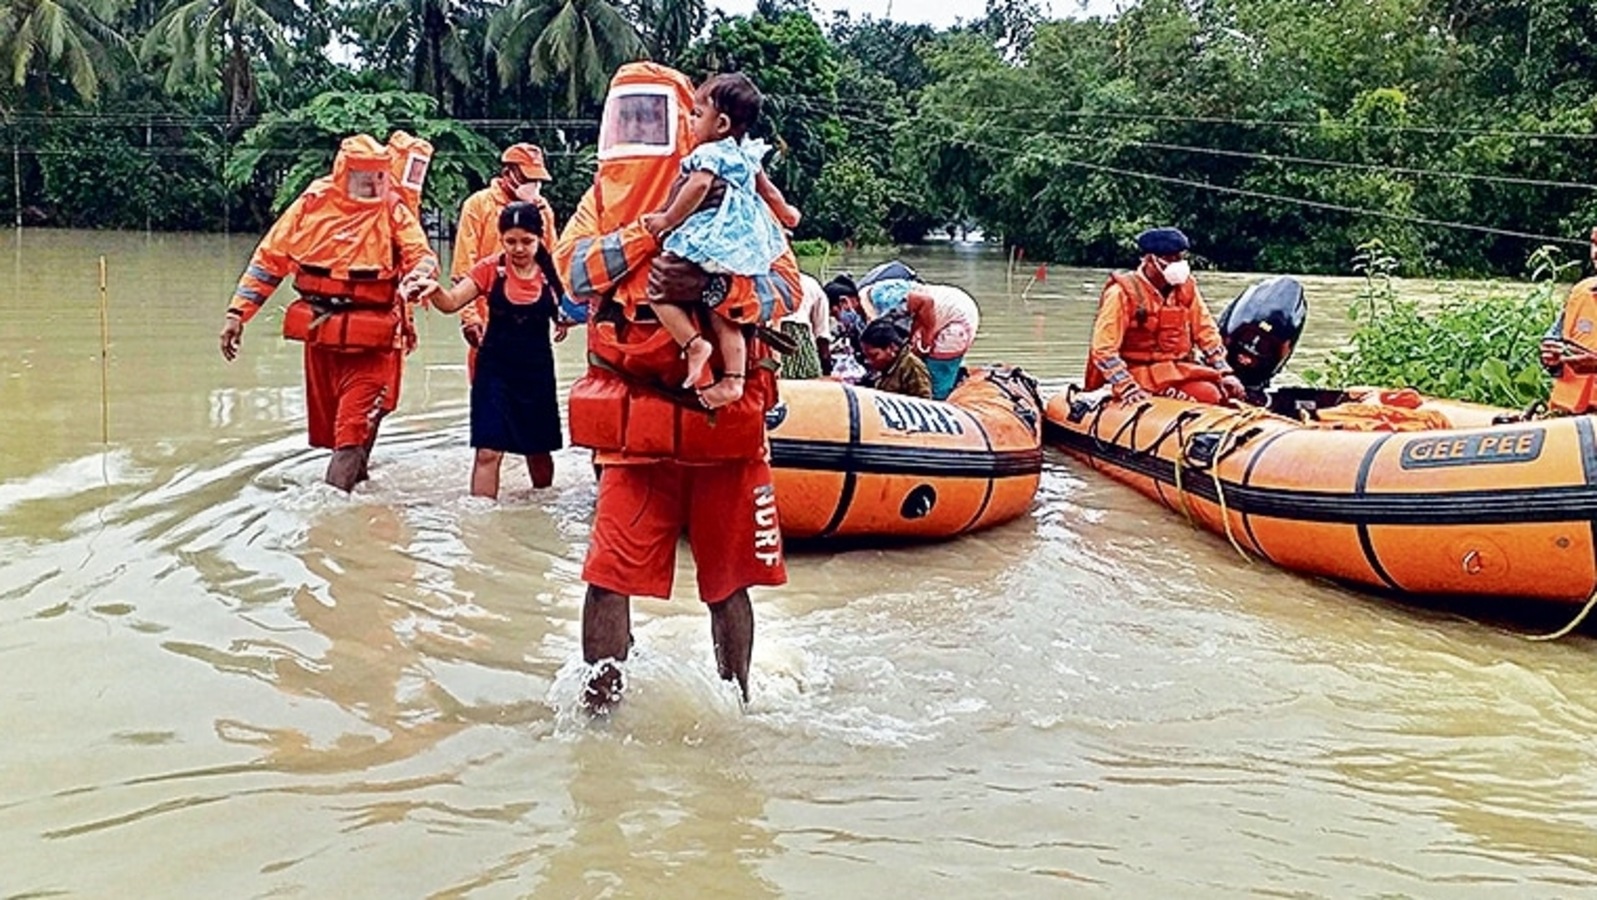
{"x":1477,"y":347}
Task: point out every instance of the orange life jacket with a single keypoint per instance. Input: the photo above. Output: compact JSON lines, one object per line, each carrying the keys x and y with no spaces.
{"x":1380,"y":417}
{"x":352,"y":307}
{"x":628,"y":402}
{"x":622,"y":405}
{"x":1576,"y":392}
{"x":1159,"y":331}
{"x":346,"y":267}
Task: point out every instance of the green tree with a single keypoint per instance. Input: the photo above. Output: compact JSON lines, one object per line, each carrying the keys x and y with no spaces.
{"x":291,"y":149}
{"x":796,"y":69}
{"x":849,"y":202}
{"x":225,"y":39}
{"x":580,"y":41}
{"x":424,"y":41}
{"x":71,"y":38}
{"x":1011,"y":25}
{"x":885,"y":48}
{"x":668,"y":26}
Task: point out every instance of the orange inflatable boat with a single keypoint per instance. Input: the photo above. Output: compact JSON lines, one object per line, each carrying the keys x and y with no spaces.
{"x":1475,"y":508}
{"x":853,"y":463}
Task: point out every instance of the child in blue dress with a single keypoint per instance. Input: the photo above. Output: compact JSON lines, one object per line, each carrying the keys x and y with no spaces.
{"x":724,"y":218}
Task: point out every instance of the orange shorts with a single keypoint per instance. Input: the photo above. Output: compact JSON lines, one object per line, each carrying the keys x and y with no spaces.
{"x":728,"y":509}
{"x":345,"y":393}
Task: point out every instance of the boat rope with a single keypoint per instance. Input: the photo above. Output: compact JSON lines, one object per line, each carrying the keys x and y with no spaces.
{"x":1574,"y":624}
{"x":1175,"y":427}
{"x":1240,"y":419}
{"x":1131,"y":423}
{"x":1181,"y":490}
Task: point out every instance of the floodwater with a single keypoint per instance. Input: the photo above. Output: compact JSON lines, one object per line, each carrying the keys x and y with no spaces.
{"x":223,"y":679}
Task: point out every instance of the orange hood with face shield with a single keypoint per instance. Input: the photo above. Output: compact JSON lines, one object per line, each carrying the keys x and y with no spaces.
{"x":643,"y":137}
{"x":344,"y":235}
{"x":408,"y":167}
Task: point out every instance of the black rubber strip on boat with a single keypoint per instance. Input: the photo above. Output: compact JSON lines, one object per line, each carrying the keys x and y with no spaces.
{"x":987,"y":493}
{"x":845,"y":497}
{"x":1370,"y":556}
{"x":1565,"y":503}
{"x":1247,"y":477}
{"x":1588,"y":464}
{"x":831,"y":456}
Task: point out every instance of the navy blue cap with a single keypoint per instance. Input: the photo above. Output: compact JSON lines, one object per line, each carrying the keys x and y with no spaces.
{"x":1163,"y":241}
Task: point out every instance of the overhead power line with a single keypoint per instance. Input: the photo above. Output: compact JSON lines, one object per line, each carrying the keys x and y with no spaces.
{"x":955,"y":140}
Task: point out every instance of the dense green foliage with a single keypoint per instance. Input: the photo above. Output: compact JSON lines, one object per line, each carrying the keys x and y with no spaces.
{"x":1478,"y":348}
{"x":1278,"y":133}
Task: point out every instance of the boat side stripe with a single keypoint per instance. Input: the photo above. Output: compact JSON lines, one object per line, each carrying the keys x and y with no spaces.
{"x":1564,"y":503}
{"x":987,"y":492}
{"x":1247,"y":476}
{"x":1370,"y":556}
{"x":1588,"y":464}
{"x":845,"y":497}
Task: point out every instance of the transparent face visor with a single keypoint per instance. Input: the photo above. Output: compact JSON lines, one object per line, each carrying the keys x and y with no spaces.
{"x":366,"y":184}
{"x":415,"y":171}
{"x":639,"y":120}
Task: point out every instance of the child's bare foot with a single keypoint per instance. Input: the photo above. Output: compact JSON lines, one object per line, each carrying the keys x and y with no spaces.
{"x":726,"y":391}
{"x":697,"y":353}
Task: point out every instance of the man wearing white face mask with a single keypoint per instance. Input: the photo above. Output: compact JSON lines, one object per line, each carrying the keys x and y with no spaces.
{"x":1154,"y":334}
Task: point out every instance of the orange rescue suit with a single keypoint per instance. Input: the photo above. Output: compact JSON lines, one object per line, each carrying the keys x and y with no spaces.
{"x":1145,"y":337}
{"x":346,"y":255}
{"x":628,"y":403}
{"x":1575,"y":391}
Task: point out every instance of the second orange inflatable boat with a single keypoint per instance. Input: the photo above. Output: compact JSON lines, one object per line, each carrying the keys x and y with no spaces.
{"x":857,"y":463}
{"x":1478,"y":508}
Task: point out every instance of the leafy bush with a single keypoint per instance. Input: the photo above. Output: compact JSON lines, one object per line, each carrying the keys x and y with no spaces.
{"x":292,"y":149}
{"x":1482,"y":349}
{"x":813,"y":248}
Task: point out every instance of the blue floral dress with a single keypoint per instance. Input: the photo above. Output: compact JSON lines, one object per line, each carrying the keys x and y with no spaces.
{"x":740,"y":236}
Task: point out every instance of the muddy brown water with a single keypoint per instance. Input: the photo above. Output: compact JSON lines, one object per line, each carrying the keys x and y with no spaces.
{"x":223,"y":679}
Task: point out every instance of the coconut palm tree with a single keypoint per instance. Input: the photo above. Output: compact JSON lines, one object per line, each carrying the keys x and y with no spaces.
{"x":581,"y":41}
{"x":424,"y":38}
{"x":69,"y":37}
{"x":223,"y":38}
{"x":669,"y":26}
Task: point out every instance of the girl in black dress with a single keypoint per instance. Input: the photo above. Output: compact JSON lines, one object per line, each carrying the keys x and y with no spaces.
{"x":513,"y":404}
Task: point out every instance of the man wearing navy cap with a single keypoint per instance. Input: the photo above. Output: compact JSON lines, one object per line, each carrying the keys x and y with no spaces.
{"x":1154,"y":335}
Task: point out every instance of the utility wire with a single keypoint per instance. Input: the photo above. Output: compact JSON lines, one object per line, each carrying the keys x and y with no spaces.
{"x":1231,"y":120}
{"x":955,"y":140}
{"x":1287,"y":159}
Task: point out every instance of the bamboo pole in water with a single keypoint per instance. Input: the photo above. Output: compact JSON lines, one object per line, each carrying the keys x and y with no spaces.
{"x":105,"y":360}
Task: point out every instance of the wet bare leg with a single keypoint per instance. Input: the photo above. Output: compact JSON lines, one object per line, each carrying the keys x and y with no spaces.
{"x":541,"y":467}
{"x":732,"y":630}
{"x":485,"y":473}
{"x":346,"y":466}
{"x":606,"y":637}
{"x":371,"y":442}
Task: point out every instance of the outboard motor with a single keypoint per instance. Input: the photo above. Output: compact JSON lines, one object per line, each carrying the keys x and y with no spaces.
{"x":892,"y":270}
{"x":1261,"y":328}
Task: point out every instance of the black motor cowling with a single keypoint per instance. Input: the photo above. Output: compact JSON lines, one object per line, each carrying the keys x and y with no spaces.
{"x":1261,"y":328}
{"x":888,"y":271}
